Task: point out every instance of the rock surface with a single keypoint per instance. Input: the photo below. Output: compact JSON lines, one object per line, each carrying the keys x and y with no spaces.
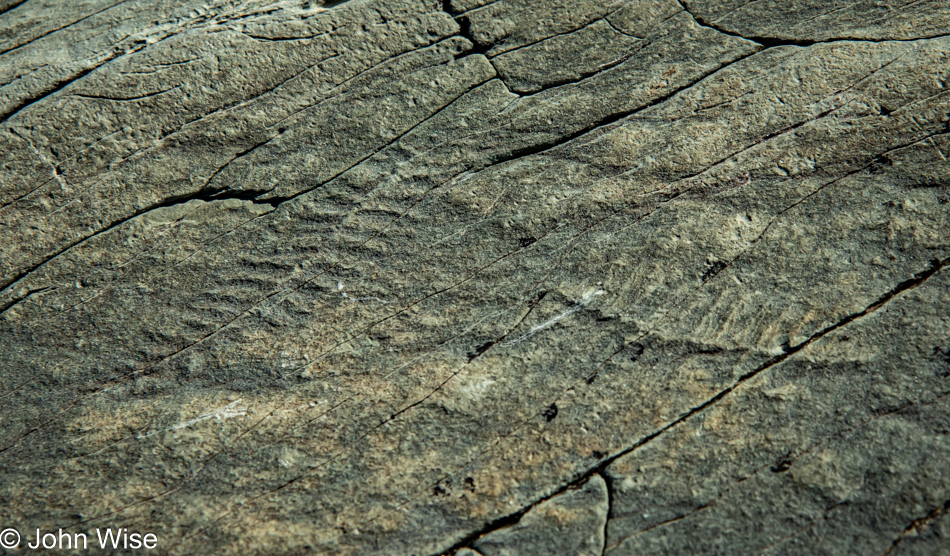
{"x":401,"y":276}
{"x":568,"y":523}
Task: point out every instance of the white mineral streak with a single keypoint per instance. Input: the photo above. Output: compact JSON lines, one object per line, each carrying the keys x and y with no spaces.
{"x":584,"y":302}
{"x":227,"y":412}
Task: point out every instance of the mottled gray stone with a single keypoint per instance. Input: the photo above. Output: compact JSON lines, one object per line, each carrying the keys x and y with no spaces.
{"x":381,"y":276}
{"x":805,"y":460}
{"x":928,"y":535}
{"x":565,"y":58}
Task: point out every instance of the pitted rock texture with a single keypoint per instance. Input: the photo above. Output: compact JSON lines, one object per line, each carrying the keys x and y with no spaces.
{"x":420,"y":276}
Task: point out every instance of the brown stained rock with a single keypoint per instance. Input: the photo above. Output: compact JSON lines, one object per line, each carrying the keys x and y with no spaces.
{"x":388,"y":276}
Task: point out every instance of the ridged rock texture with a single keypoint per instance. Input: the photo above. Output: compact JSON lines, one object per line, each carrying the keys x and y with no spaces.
{"x":512,"y":277}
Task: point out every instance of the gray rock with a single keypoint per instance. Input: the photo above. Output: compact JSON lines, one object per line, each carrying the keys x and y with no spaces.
{"x":815,"y":20}
{"x":569,"y":523}
{"x":382,"y":276}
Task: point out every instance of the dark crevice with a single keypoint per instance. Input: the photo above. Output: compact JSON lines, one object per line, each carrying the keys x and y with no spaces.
{"x":125,"y":99}
{"x":225,"y":195}
{"x":600,"y":468}
{"x":477,"y":352}
{"x":241,"y":154}
{"x":204,"y":195}
{"x":10,"y":304}
{"x":609,"y":482}
{"x":500,"y":523}
{"x":769,"y":42}
{"x":619,"y":30}
{"x":332,"y":3}
{"x":917,"y":525}
{"x":284,"y":39}
{"x":158,"y":67}
{"x":447,"y":8}
{"x":275,"y":201}
{"x":13,"y":6}
{"x":207,"y":194}
{"x":213,"y":195}
{"x":465,"y":30}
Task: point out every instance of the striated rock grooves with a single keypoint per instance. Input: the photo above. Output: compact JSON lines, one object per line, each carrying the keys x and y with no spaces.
{"x":474,"y":277}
